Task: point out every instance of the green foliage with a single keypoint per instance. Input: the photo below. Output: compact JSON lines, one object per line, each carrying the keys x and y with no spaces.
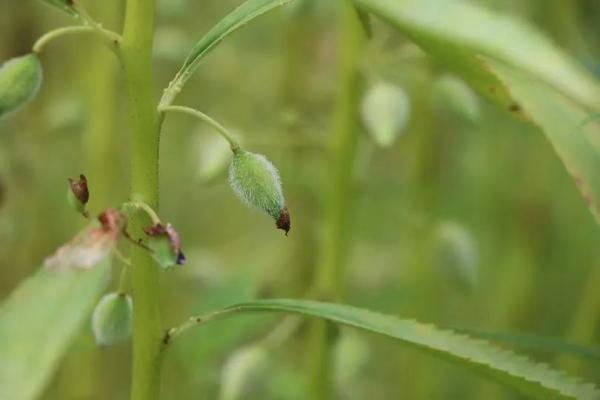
{"x":459,"y":29}
{"x":458,"y":32}
{"x":20,"y":79}
{"x":63,"y":5}
{"x":112,"y":319}
{"x":239,"y":17}
{"x":528,"y":377}
{"x":38,"y":322}
{"x":577,"y":144}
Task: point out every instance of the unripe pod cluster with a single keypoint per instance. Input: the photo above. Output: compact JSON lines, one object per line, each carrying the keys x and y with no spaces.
{"x":112,"y":319}
{"x":256,"y":182}
{"x":20,"y":79}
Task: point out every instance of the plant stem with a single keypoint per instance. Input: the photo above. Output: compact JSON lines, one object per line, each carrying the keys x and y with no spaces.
{"x":330,"y":272}
{"x":220,"y":128}
{"x":110,"y":38}
{"x":145,"y":129}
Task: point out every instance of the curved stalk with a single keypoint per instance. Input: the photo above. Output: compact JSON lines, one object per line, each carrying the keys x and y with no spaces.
{"x":144,"y":125}
{"x":200,"y":115}
{"x":109,"y":37}
{"x":338,"y":203}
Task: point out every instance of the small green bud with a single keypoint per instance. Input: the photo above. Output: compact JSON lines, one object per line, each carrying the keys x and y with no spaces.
{"x":78,"y":194}
{"x":244,"y":373}
{"x":256,"y":182}
{"x":112,"y":319}
{"x":455,"y":256}
{"x":385,"y":112}
{"x":20,"y":79}
{"x":351,"y":354}
{"x":455,"y":93}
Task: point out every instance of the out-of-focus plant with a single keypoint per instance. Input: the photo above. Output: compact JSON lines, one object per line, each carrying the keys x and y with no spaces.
{"x":520,"y":72}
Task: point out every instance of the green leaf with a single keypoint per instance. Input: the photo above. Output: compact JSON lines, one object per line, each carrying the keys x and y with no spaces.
{"x":239,"y":17}
{"x":459,"y":31}
{"x":576,"y":142}
{"x":528,"y":377}
{"x":37,"y":323}
{"x":527,"y":341}
{"x":519,"y":70}
{"x":63,"y":5}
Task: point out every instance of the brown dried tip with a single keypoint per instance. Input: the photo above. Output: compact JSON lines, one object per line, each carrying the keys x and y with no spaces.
{"x":283,"y":222}
{"x":112,"y":220}
{"x":80,"y":189}
{"x":171,"y":233}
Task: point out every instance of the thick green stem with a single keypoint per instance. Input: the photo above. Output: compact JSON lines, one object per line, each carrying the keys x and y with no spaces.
{"x":329,"y":275}
{"x":144,"y":127}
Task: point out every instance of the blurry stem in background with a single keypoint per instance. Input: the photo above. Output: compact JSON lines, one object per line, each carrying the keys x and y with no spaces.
{"x":329,"y":274}
{"x":111,"y":39}
{"x":585,"y":318}
{"x":144,"y":126}
{"x":200,"y":115}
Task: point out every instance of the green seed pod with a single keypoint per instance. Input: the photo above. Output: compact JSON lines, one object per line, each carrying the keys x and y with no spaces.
{"x":385,"y":112}
{"x":351,"y":354}
{"x":256,"y":182}
{"x":112,"y":319}
{"x":20,"y":79}
{"x":455,"y":256}
{"x":244,"y":373}
{"x":454,"y":93}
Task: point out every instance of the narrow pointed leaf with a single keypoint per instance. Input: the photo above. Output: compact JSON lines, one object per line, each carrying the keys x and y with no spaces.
{"x":63,"y":5}
{"x":459,"y":31}
{"x":239,"y":17}
{"x":513,"y":370}
{"x":38,"y":322}
{"x":519,"y":70}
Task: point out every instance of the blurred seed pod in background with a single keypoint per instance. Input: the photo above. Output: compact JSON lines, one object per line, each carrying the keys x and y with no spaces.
{"x":453,"y":93}
{"x":385,"y":112}
{"x":20,"y":79}
{"x":244,"y":373}
{"x":256,"y":182}
{"x":212,"y":155}
{"x":112,"y":319}
{"x":350,"y":357}
{"x":455,"y":255}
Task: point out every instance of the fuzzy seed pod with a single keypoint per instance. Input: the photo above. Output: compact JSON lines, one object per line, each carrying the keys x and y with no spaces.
{"x":385,"y":112}
{"x":256,"y":182}
{"x":20,"y":79}
{"x":112,"y":319}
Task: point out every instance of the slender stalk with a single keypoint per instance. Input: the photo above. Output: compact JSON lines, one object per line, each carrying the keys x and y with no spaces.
{"x":110,"y":38}
{"x":330,"y":272}
{"x":144,"y":126}
{"x":200,"y":115}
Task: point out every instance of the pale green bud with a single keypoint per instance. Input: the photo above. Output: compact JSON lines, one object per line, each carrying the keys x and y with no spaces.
{"x":20,"y":79}
{"x":455,"y":93}
{"x":385,"y":112}
{"x":243,"y":373}
{"x":112,"y":319}
{"x":256,"y":182}
{"x":351,"y":354}
{"x":455,"y":255}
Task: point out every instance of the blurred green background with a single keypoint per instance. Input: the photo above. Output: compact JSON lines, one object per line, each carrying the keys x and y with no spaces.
{"x":468,"y":221}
